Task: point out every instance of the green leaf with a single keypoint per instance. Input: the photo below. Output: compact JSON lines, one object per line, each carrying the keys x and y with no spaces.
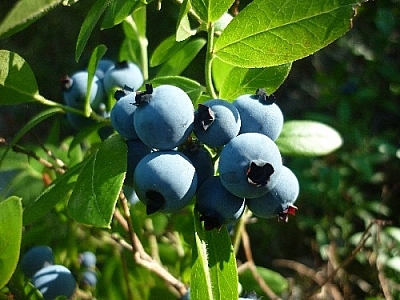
{"x":88,"y":25}
{"x":59,"y":190}
{"x":28,"y":126}
{"x":165,"y":50}
{"x":182,"y":58}
{"x":116,"y":12}
{"x":17,"y":81}
{"x":96,"y":56}
{"x":211,"y":10}
{"x":275,"y":32}
{"x":10,"y":237}
{"x":214,"y":274}
{"x":276,"y":282}
{"x":99,"y":183}
{"x":191,"y":87}
{"x":23,"y":14}
{"x":247,"y":81}
{"x":183,"y":29}
{"x":307,"y":138}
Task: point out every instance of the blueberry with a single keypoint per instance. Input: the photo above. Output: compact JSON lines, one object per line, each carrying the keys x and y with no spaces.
{"x":201,"y":160}
{"x":122,"y":115}
{"x":75,"y":88}
{"x":103,"y":66}
{"x":186,"y":296}
{"x":250,"y":165}
{"x":53,"y":281}
{"x":164,"y":117}
{"x":123,"y":74}
{"x":259,"y":114}
{"x":279,"y":200}
{"x":136,"y":151}
{"x":216,"y":122}
{"x":165,"y":181}
{"x":36,"y":258}
{"x":216,"y":205}
{"x":89,"y":277}
{"x":88,"y":259}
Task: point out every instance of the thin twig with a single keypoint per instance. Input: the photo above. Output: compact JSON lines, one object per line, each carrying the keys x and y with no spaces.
{"x":30,"y":153}
{"x":140,"y":255}
{"x":252,"y":267}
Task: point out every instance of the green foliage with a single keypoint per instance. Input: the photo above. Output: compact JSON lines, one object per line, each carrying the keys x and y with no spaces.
{"x":267,"y":33}
{"x":17,"y":81}
{"x":214,"y":264}
{"x":70,"y":185}
{"x":10,"y":237}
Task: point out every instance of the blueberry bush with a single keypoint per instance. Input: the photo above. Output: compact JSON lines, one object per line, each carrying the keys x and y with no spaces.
{"x":179,"y":140}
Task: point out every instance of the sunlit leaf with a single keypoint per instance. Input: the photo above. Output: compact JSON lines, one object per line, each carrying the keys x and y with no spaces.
{"x":274,"y":32}
{"x":24,"y":13}
{"x":213,"y":265}
{"x":182,"y":58}
{"x":10,"y":237}
{"x":308,"y":138}
{"x":17,"y":81}
{"x":97,"y":188}
{"x":211,"y":10}
{"x":246,"y":81}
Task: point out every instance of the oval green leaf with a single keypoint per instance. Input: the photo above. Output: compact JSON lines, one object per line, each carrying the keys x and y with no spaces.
{"x":274,"y":32}
{"x":247,"y":81}
{"x":308,"y":138}
{"x":10,"y":237}
{"x":165,"y":50}
{"x":17,"y":81}
{"x":182,"y":58}
{"x":211,"y":10}
{"x":214,"y":273}
{"x":24,"y":13}
{"x":98,"y":185}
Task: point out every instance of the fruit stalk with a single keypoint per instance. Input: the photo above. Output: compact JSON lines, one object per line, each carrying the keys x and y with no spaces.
{"x":209,"y":59}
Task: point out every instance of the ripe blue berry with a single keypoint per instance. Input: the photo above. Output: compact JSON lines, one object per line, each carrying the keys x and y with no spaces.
{"x":53,"y":281}
{"x":201,"y":160}
{"x":89,"y":277}
{"x":250,"y":165}
{"x":216,"y":205}
{"x":103,"y":66}
{"x":36,"y":258}
{"x":88,"y":259}
{"x":75,"y":88}
{"x":136,"y":151}
{"x":216,"y":122}
{"x":164,"y":117}
{"x":165,"y":181}
{"x":122,"y":115}
{"x":260,"y":114}
{"x":123,"y":74}
{"x":279,"y":200}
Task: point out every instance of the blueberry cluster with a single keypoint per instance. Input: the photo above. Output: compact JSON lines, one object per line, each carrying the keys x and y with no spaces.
{"x":175,"y":149}
{"x":50,"y":279}
{"x":108,"y":77}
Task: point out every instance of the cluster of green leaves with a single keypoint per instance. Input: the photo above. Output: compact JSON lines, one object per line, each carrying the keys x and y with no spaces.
{"x":256,"y":49}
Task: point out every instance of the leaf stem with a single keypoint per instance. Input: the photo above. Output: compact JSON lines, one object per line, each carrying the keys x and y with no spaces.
{"x":39,"y":98}
{"x":209,"y":59}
